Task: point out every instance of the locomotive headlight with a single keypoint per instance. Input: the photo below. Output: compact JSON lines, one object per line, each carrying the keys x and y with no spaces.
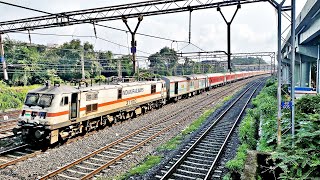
{"x":38,"y":134}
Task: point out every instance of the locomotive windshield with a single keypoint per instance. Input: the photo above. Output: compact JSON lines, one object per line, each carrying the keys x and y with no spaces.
{"x":45,"y":100}
{"x":32,"y":99}
{"x":42,"y":100}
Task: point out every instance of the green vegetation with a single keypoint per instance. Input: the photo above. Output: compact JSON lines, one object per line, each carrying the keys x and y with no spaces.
{"x":247,"y":60}
{"x":176,"y":141}
{"x":166,"y":62}
{"x":236,"y":165}
{"x":34,"y":64}
{"x":299,"y":162}
{"x":13,"y":97}
{"x":144,"y":167}
{"x":264,"y":110}
{"x":303,"y":160}
{"x":171,"y":144}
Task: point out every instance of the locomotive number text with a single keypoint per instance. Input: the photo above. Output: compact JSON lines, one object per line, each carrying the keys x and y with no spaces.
{"x":131,"y":102}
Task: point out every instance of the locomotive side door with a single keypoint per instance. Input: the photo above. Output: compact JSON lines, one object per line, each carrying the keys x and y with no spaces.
{"x":74,"y":106}
{"x":176,"y":88}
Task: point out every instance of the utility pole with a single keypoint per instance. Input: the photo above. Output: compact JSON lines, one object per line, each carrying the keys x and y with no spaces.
{"x":82,"y":66}
{"x":229,"y":32}
{"x":293,"y":58}
{"x":4,"y":65}
{"x":190,"y":11}
{"x":133,"y":42}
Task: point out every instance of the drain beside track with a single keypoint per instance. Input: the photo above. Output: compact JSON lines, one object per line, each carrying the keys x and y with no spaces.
{"x":200,"y":160}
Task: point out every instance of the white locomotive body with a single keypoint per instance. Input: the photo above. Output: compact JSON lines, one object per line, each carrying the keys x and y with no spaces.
{"x":53,"y":112}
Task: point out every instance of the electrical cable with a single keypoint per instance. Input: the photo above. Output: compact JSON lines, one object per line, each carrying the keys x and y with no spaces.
{"x":118,"y":29}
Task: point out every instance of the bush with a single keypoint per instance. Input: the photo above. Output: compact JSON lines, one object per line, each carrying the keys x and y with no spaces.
{"x":247,"y":132}
{"x":264,"y":110}
{"x":13,"y":97}
{"x":303,"y":160}
{"x":308,"y":104}
{"x":236,"y":165}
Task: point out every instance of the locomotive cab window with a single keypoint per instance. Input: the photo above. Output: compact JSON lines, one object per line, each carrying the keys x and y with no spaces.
{"x":153,"y":89}
{"x":119,"y":93}
{"x":64,"y":101}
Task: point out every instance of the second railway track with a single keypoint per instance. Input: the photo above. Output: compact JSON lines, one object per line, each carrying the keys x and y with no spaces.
{"x":199,"y":160}
{"x":6,"y":128}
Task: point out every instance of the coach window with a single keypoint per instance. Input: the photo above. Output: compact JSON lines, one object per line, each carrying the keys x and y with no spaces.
{"x":153,"y":89}
{"x":119,"y":93}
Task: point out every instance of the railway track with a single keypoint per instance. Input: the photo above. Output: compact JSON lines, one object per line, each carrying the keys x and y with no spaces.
{"x":199,"y":159}
{"x":6,"y":128}
{"x":16,"y":154}
{"x":95,"y":162}
{"x":13,"y":156}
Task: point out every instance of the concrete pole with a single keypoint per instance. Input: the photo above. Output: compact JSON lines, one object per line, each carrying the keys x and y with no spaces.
{"x":82,"y":65}
{"x":293,"y":41}
{"x":318,"y":73}
{"x":279,"y":77}
{"x":4,"y":65}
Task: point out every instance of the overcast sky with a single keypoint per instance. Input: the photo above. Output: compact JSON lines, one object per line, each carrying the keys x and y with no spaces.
{"x":253,"y":29}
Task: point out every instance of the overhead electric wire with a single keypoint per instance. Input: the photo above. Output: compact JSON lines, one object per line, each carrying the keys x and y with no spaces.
{"x":142,"y":34}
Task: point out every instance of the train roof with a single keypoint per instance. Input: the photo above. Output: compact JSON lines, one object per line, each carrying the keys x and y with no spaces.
{"x":215,"y":74}
{"x":196,"y":76}
{"x":174,"y":78}
{"x":55,"y":89}
{"x":99,"y":87}
{"x":126,"y":84}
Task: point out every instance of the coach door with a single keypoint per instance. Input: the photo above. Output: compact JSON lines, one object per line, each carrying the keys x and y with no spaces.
{"x":176,"y":88}
{"x":74,"y":106}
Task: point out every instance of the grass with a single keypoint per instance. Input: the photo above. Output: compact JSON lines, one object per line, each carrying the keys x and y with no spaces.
{"x":142,"y":168}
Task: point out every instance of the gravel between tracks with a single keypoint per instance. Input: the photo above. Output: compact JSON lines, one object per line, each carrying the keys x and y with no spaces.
{"x":57,"y":157}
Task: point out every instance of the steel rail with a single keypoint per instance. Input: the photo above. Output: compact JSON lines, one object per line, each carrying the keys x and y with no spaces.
{"x":5,"y":130}
{"x":13,"y":149}
{"x":22,"y":158}
{"x":229,"y":134}
{"x":188,"y":152}
{"x":56,"y":172}
{"x":8,"y":121}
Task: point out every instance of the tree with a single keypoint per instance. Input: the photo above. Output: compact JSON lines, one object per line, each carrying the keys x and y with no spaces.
{"x":164,"y":62}
{"x":34,"y":64}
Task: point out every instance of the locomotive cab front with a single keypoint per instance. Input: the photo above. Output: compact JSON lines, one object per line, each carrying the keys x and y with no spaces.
{"x":45,"y":111}
{"x":33,"y":118}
